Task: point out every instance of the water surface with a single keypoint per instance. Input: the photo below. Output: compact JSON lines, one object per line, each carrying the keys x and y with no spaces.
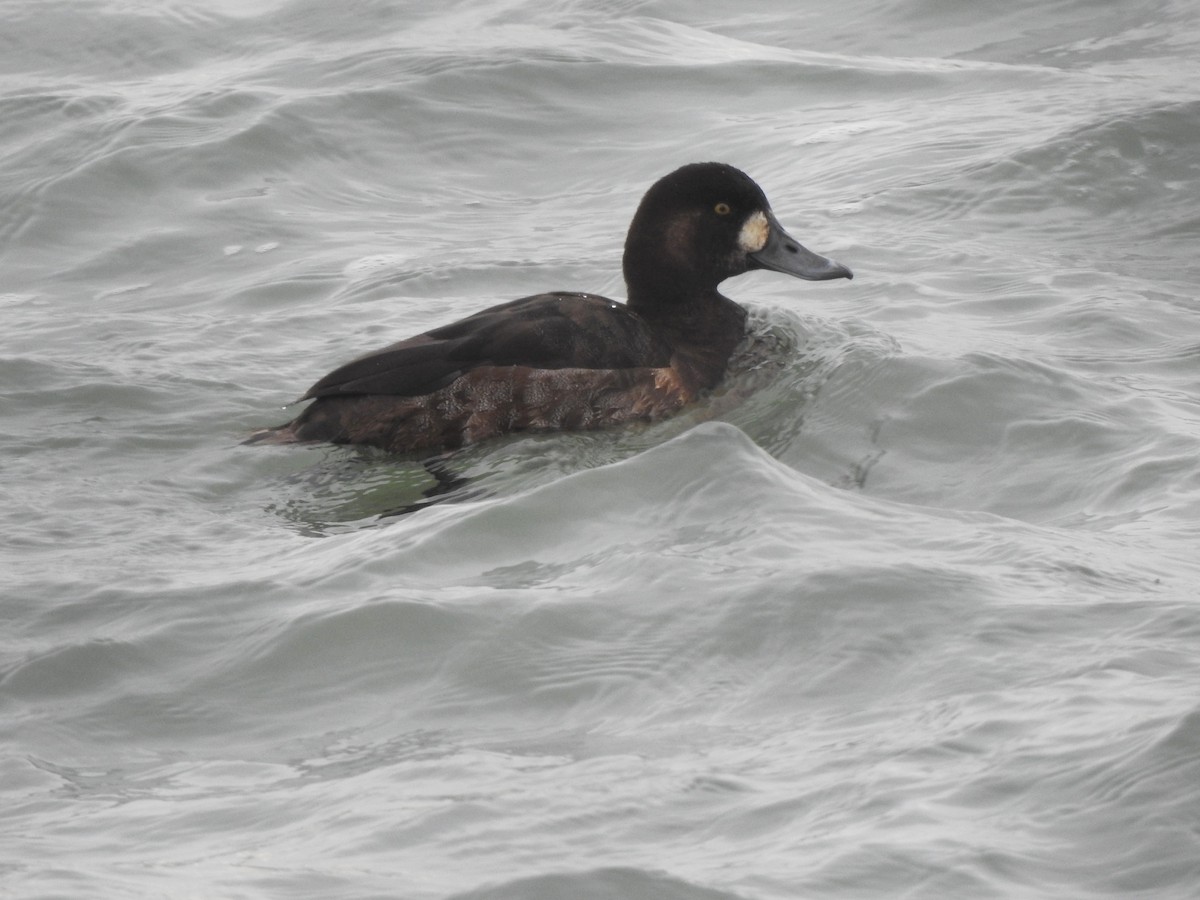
{"x":908,"y":610}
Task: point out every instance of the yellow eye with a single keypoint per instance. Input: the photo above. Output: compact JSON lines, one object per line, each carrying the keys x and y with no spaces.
{"x":723,"y":209}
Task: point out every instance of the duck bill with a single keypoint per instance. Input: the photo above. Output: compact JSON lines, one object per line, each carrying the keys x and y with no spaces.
{"x":783,"y":253}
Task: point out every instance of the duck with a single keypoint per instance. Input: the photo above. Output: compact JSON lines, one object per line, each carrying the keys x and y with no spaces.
{"x":567,"y":361}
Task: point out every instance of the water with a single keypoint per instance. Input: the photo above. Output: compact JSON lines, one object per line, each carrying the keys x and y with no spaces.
{"x":910,"y":610}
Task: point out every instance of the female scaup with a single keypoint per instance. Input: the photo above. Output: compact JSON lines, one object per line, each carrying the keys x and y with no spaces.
{"x":562,"y":361}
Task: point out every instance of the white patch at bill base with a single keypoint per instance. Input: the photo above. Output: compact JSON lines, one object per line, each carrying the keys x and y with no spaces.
{"x":755,"y":231}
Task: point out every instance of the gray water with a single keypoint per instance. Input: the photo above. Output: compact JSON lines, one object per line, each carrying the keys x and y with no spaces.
{"x":909,"y":611}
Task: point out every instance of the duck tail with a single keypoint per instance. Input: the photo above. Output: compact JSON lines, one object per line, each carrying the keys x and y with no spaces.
{"x":280,"y":434}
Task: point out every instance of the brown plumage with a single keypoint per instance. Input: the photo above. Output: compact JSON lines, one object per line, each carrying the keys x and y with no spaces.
{"x":567,"y":361}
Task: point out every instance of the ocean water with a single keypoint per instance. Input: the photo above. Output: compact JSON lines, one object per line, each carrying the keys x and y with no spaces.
{"x":909,"y":609}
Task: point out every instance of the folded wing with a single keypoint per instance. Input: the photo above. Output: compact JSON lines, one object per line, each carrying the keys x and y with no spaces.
{"x":546,"y":331}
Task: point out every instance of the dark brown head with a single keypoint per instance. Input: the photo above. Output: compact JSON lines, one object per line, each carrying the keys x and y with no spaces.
{"x":704,"y":223}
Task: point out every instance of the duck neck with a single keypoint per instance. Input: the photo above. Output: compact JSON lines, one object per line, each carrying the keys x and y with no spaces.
{"x":702,"y":326}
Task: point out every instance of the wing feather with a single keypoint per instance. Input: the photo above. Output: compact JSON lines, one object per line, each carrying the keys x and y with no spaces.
{"x":546,"y":331}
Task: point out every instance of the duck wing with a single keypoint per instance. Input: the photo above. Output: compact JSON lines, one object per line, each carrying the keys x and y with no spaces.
{"x":546,"y":331}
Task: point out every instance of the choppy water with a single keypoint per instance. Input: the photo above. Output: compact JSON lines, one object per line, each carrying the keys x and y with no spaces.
{"x":914,"y":611}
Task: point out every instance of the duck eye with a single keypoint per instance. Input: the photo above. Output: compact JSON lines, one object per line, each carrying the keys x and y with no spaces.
{"x":723,"y":209}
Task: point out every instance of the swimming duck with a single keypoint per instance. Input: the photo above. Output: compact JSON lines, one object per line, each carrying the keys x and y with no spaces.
{"x":566,"y":361}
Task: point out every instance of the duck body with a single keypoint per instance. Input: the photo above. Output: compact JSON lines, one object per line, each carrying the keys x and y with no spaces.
{"x":571,"y":361}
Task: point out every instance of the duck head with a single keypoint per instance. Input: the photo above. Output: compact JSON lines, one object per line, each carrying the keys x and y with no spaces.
{"x":706,"y":222}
